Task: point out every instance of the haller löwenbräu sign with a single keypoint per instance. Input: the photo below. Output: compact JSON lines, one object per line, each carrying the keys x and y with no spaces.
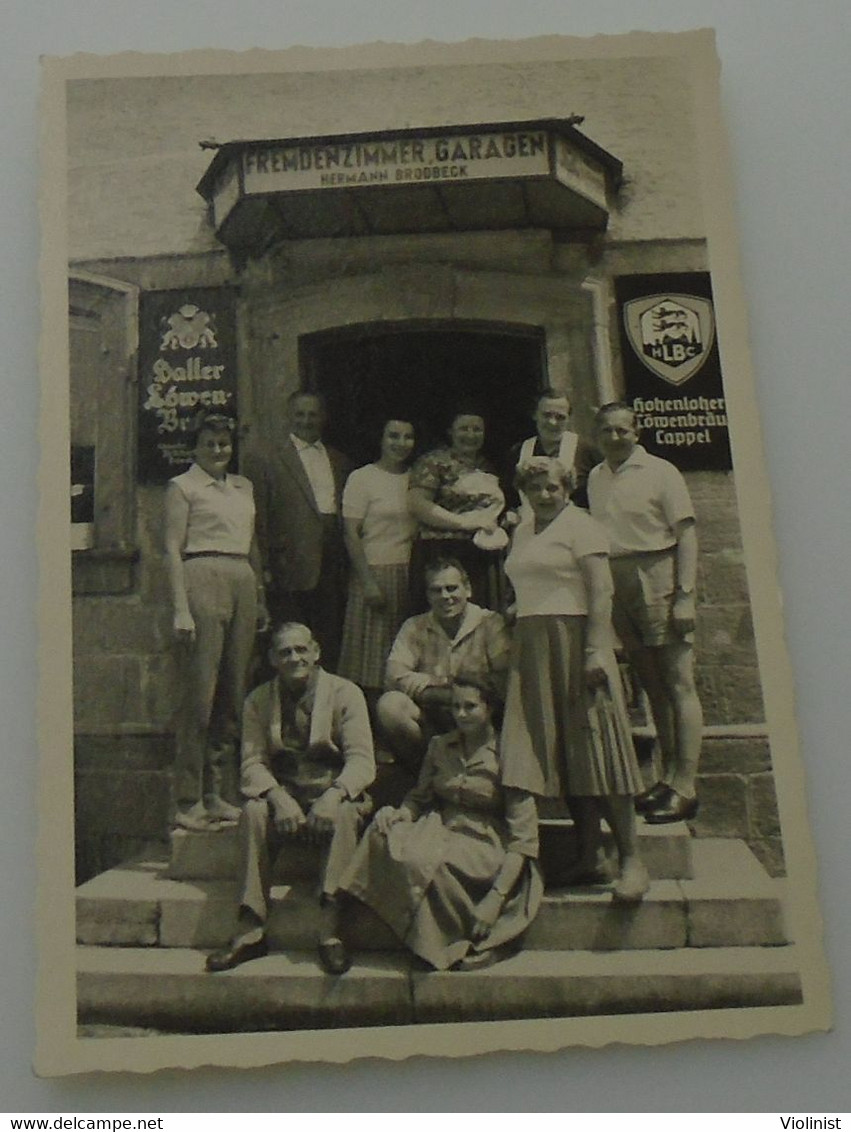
{"x":187,"y":363}
{"x":672,"y":370}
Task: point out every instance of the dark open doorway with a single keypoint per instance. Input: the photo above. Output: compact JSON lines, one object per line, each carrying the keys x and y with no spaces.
{"x":420,"y":372}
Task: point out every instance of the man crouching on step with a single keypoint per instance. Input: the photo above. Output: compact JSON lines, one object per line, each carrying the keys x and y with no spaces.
{"x":307,"y":757}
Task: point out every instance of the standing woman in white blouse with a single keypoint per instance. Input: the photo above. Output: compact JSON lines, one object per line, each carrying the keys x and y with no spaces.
{"x":217,"y":607}
{"x":378,"y":531}
{"x":566,"y":731}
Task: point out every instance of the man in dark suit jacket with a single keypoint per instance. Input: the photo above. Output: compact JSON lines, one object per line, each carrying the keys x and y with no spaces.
{"x":298,"y":491}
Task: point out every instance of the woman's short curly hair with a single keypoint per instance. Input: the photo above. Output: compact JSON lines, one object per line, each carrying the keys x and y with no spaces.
{"x":211,"y":420}
{"x":537,"y":466}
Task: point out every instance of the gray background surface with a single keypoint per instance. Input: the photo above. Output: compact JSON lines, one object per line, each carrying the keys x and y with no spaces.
{"x":785,"y":90}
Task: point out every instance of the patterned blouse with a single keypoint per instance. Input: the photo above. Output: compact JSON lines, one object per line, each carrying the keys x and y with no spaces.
{"x":456,"y":484}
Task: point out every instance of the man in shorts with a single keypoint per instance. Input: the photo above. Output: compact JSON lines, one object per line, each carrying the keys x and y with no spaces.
{"x":644,"y":505}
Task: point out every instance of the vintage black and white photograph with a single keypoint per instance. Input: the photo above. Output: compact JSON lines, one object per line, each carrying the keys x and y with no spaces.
{"x":426,"y":667}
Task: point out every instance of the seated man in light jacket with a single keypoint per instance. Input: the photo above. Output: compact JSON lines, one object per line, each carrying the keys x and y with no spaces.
{"x":307,"y":757}
{"x":429,"y":651}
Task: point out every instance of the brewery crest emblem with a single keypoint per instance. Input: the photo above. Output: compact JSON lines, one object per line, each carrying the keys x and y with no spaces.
{"x":671,"y":334}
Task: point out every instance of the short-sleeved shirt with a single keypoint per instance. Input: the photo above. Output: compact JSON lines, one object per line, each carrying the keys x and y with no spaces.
{"x":221,"y":512}
{"x":423,"y":656}
{"x":379,"y":501}
{"x":640,"y":503}
{"x":544,"y":568}
{"x":455,"y":484}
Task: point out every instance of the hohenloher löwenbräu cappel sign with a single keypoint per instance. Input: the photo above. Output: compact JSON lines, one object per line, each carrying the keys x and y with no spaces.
{"x":187,"y":363}
{"x":672,"y":369}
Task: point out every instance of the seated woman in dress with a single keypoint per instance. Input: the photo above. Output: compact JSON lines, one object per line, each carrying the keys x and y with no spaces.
{"x":378,"y":531}
{"x":454,"y":495}
{"x":453,"y":871}
{"x":566,"y":731}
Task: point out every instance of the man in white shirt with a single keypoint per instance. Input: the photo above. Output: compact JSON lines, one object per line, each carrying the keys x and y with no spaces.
{"x":644,"y":505}
{"x":298,"y":490}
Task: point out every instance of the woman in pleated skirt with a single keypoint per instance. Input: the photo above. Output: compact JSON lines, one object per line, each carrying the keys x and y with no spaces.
{"x":566,"y":731}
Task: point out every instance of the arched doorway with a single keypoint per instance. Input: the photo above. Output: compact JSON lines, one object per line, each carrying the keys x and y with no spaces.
{"x":421,"y":371}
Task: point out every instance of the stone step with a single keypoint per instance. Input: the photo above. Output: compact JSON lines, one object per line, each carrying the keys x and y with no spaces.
{"x":666,"y":850}
{"x":730,"y":902}
{"x":168,"y":990}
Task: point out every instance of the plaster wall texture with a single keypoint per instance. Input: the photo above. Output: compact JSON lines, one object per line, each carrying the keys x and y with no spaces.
{"x":134,"y":158}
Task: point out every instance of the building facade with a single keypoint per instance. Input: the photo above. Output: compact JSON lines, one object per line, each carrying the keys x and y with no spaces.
{"x":406,"y":233}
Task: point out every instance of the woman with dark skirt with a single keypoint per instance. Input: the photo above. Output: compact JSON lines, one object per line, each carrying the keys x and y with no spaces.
{"x":566,"y":732}
{"x":454,"y":495}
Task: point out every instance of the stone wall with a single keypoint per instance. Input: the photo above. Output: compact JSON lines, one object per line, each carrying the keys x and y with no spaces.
{"x":136,"y":157}
{"x":124,"y":667}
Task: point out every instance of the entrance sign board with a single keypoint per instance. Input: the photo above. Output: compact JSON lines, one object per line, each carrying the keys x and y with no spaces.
{"x":672,"y":370}
{"x":549,"y":151}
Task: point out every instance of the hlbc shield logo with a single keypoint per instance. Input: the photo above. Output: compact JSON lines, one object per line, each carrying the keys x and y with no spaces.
{"x":671,"y":334}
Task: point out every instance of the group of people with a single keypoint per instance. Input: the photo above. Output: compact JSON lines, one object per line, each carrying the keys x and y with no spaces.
{"x":467,"y":621}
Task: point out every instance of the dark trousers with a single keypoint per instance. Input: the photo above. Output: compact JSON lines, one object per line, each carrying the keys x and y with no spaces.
{"x":322,"y":608}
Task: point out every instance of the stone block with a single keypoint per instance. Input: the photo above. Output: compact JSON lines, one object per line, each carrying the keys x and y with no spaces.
{"x":707,"y":689}
{"x":215,"y":856}
{"x":724,"y":635}
{"x":107,"y":692}
{"x":732,"y":902}
{"x":723,"y":808}
{"x":722,"y":579}
{"x":769,"y":852}
{"x":169,"y":990}
{"x":120,"y":923}
{"x":741,"y":694}
{"x":161,"y":690}
{"x":119,"y":908}
{"x":197,"y":914}
{"x":587,"y":919}
{"x":733,"y":921}
{"x":666,"y":850}
{"x":749,"y":754}
{"x":555,"y":985}
{"x":97,"y":853}
{"x":126,"y":803}
{"x":119,"y":625}
{"x":710,"y":485}
{"x":124,"y":752}
{"x":762,"y":807}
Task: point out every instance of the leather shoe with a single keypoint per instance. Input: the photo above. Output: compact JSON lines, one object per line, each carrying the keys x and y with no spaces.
{"x":670,"y":808}
{"x":334,"y":956}
{"x":480,"y":960}
{"x":649,"y":798}
{"x":236,"y":953}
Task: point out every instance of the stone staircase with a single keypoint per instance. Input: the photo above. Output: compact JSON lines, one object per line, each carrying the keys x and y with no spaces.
{"x":710,"y":934}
